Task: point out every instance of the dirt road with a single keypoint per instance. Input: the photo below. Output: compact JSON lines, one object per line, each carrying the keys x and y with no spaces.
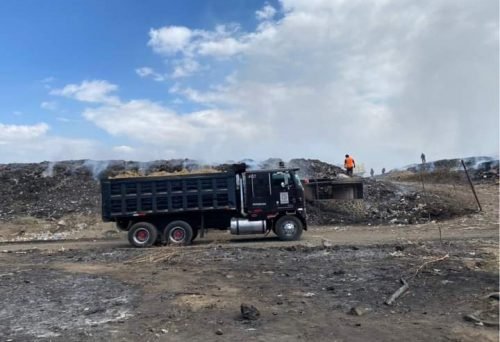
{"x":330,"y":286}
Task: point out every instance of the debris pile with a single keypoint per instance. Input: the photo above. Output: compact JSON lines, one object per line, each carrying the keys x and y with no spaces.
{"x":386,"y":202}
{"x":47,"y":191}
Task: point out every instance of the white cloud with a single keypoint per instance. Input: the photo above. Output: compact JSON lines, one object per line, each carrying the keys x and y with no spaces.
{"x":28,"y":143}
{"x":95,"y":91}
{"x":170,"y":39}
{"x":49,"y":79}
{"x":265,"y":13}
{"x":184,"y":47}
{"x":123,"y":149}
{"x":13,"y":133}
{"x":185,"y":67}
{"x":197,"y":134}
{"x":47,"y":82}
{"x":223,"y":47}
{"x":147,"y":72}
{"x":49,"y":105}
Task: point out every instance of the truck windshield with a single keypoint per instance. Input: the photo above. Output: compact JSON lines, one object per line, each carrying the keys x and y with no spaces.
{"x":280,"y":178}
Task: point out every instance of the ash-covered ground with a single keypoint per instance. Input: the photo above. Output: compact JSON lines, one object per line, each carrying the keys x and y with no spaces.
{"x":302,"y":293}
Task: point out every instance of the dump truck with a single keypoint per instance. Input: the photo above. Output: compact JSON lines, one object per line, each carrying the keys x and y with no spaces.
{"x":176,"y":209}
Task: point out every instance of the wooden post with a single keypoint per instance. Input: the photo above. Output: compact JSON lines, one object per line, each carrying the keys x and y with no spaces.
{"x":471,"y":185}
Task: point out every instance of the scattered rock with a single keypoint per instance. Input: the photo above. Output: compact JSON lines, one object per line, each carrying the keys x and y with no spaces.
{"x":81,"y":226}
{"x":219,"y":332}
{"x":475,"y":318}
{"x":326,"y":243}
{"x":359,"y":310}
{"x":249,"y":312}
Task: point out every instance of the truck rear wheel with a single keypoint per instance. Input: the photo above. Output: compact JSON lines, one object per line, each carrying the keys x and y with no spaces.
{"x":178,"y":233}
{"x":142,"y":234}
{"x":288,"y":228}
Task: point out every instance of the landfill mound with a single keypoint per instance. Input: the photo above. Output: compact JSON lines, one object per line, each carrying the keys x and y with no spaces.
{"x":50,"y":191}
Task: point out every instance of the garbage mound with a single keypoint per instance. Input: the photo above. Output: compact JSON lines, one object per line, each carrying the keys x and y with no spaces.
{"x":387,"y":202}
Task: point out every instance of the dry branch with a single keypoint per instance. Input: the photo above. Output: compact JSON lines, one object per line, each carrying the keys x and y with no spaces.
{"x":398,"y":293}
{"x":429,"y":262}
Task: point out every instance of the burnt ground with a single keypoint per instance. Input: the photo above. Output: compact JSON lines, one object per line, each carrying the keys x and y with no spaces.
{"x":303,"y":293}
{"x":330,"y":286}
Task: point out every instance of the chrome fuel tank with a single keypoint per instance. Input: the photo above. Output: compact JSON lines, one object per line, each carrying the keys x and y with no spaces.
{"x":244,"y":227}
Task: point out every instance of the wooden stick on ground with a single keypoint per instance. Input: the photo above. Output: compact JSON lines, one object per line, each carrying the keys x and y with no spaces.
{"x":429,"y":262}
{"x":398,"y":293}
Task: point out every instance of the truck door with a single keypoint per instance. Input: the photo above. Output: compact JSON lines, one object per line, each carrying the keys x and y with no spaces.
{"x":270,"y":191}
{"x":258,"y":191}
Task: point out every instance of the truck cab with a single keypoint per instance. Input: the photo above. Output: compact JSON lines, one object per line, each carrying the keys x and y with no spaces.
{"x":272,"y":191}
{"x":276,"y":197}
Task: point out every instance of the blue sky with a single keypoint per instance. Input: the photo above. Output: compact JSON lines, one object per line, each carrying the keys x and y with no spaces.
{"x":52,"y":43}
{"x":227,"y":80}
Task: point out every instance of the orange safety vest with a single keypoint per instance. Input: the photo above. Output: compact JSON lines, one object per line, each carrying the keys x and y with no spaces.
{"x":349,"y":163}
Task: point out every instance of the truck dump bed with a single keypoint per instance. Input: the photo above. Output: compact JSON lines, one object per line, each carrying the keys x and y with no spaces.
{"x":124,"y":197}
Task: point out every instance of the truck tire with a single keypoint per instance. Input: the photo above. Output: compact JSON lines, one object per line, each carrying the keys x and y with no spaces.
{"x":142,"y":234}
{"x":288,"y":228}
{"x":178,"y":233}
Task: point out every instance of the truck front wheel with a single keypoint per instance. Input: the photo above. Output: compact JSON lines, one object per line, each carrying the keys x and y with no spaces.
{"x":288,"y":228}
{"x":142,"y":234}
{"x":178,"y":233}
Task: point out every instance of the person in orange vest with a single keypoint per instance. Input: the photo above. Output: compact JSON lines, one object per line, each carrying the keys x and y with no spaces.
{"x":349,"y":164}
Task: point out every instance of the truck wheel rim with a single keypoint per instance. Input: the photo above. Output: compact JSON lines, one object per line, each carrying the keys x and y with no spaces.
{"x":177,"y":234}
{"x":141,"y":235}
{"x":289,"y":228}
